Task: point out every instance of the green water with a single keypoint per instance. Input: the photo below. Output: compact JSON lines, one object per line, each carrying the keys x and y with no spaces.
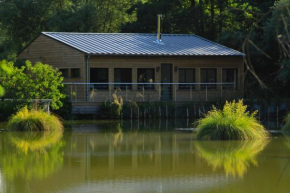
{"x":139,"y":157}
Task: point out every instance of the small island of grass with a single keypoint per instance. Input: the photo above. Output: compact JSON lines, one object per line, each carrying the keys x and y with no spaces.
{"x":34,"y":120}
{"x":231,"y":123}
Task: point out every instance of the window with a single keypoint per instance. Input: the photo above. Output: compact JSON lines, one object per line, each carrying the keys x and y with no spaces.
{"x":123,"y":75}
{"x":186,"y":75}
{"x":146,"y":75}
{"x":99,"y":75}
{"x":208,"y":75}
{"x":230,"y":75}
{"x":75,"y":73}
{"x":64,"y":72}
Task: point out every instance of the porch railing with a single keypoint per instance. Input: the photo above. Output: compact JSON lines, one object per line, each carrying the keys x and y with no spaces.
{"x":151,"y":92}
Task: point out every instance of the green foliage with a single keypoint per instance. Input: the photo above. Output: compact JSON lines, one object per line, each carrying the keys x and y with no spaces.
{"x":22,"y":21}
{"x":230,"y":123}
{"x":39,"y":81}
{"x":234,"y":157}
{"x":3,"y":69}
{"x":116,"y":106}
{"x":113,"y":109}
{"x":8,"y":108}
{"x":286,"y":127}
{"x":34,"y":120}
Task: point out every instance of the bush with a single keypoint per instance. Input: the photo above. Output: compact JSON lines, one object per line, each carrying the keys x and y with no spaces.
{"x":26,"y":120}
{"x":286,"y":127}
{"x":232,"y":122}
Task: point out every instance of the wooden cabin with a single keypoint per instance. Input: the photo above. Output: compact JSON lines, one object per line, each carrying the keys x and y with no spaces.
{"x":140,"y":67}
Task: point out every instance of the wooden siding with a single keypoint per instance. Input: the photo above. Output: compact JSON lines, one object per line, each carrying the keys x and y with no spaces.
{"x":46,"y":50}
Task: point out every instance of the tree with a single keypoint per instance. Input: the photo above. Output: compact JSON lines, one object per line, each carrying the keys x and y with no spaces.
{"x":39,"y":81}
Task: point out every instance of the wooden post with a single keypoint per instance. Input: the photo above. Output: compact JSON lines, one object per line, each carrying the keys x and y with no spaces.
{"x":76,"y":89}
{"x":110,"y":92}
{"x":187,"y":114}
{"x":71,"y":92}
{"x":221,"y":91}
{"x":143,"y":93}
{"x":138,"y":113}
{"x":175,"y":96}
{"x":159,"y":111}
{"x":190,"y":92}
{"x":277,"y":117}
{"x":206,"y":92}
{"x":159,"y":92}
{"x":131,"y":113}
{"x":166,"y":111}
{"x":126,"y":93}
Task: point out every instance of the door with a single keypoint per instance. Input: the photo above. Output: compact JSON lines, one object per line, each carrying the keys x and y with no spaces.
{"x":166,"y":77}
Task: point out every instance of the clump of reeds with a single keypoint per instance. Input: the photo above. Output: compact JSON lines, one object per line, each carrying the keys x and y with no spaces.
{"x":34,"y":120}
{"x":286,"y":127}
{"x":230,"y":123}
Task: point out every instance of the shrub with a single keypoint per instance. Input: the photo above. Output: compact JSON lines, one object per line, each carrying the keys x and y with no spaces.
{"x":286,"y":127}
{"x":232,"y":122}
{"x":26,"y":120}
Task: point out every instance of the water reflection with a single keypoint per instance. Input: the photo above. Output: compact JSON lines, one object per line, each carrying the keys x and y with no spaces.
{"x":123,"y":158}
{"x":234,"y":157}
{"x":31,"y":155}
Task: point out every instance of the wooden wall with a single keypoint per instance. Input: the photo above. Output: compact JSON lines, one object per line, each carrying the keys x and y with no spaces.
{"x":47,"y":50}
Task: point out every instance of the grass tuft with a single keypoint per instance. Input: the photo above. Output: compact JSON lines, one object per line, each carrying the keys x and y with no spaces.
{"x":231,"y":123}
{"x":33,"y":120}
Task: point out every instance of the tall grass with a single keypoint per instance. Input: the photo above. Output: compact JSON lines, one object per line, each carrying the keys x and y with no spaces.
{"x":33,"y":120}
{"x":230,"y":123}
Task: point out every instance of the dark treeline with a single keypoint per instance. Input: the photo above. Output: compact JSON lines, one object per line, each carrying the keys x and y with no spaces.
{"x":259,"y":28}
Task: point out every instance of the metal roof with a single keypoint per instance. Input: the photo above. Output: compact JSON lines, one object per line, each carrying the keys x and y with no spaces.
{"x":142,"y":44}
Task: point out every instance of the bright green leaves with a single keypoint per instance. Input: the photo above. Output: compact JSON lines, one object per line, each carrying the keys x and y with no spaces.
{"x":4,"y":68}
{"x":39,"y":81}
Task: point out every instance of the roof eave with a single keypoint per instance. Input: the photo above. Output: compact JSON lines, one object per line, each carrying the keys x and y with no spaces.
{"x":166,"y":55}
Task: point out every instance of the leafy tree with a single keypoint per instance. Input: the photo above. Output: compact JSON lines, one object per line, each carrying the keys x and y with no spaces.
{"x":3,"y":69}
{"x":39,"y":81}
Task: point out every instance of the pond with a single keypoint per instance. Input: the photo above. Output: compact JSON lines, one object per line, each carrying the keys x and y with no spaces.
{"x":134,"y":157}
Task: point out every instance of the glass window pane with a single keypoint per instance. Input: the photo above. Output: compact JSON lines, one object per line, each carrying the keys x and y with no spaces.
{"x":99,"y":75}
{"x":123,"y":75}
{"x":186,"y":75}
{"x":208,"y":75}
{"x":146,"y":75}
{"x":75,"y":73}
{"x":230,"y":75}
{"x":64,"y":72}
{"x":189,"y":76}
{"x":181,"y":76}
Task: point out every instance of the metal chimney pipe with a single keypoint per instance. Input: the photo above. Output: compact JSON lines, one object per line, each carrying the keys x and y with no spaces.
{"x":159,"y":27}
